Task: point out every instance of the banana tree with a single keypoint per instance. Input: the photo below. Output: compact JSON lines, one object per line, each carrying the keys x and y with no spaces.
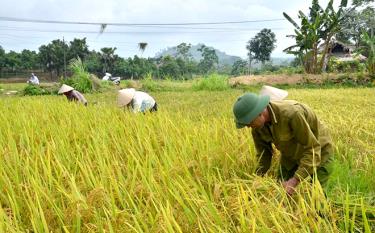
{"x":369,"y":47}
{"x":315,"y":30}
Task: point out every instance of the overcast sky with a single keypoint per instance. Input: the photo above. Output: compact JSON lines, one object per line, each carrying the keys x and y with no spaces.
{"x":229,"y":38}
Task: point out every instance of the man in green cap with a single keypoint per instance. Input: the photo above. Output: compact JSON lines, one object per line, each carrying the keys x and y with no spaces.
{"x":304,"y":142}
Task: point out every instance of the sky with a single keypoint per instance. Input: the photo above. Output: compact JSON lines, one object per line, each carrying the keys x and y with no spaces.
{"x":230,"y":38}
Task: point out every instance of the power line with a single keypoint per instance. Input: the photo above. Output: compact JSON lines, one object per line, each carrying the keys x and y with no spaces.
{"x":135,"y":24}
{"x":137,"y":32}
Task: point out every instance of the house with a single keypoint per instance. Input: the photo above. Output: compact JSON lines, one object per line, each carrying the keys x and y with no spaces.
{"x":343,"y":52}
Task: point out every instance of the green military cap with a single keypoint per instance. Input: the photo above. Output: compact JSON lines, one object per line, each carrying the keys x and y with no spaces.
{"x":248,"y":107}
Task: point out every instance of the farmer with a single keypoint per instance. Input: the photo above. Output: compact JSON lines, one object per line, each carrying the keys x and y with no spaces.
{"x":304,"y":142}
{"x":33,"y":79}
{"x":137,"y":101}
{"x":72,"y":94}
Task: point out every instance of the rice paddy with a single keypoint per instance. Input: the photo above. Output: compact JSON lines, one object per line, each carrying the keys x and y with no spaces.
{"x":69,"y":168}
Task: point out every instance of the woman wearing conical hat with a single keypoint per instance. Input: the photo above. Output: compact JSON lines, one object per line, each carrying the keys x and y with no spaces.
{"x":72,"y":95}
{"x":137,"y":101}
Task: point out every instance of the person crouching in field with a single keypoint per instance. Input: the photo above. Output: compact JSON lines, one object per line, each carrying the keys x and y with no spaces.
{"x":295,"y":130}
{"x":72,"y":95}
{"x":137,"y":101}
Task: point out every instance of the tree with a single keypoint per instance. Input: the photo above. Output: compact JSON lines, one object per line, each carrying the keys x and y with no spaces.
{"x":316,"y":30}
{"x":78,"y":48}
{"x":52,"y":56}
{"x":169,"y":67}
{"x":2,"y":58}
{"x":108,"y":58}
{"x":29,"y":59}
{"x":239,"y":67}
{"x":262,"y":45}
{"x":359,"y":17}
{"x":12,"y":61}
{"x":207,"y":64}
{"x":183,"y":51}
{"x":93,"y":62}
{"x":369,"y":47}
{"x":142,"y":46}
{"x":362,"y":2}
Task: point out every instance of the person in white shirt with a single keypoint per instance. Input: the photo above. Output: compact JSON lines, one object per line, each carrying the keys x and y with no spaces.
{"x":33,"y":79}
{"x":137,"y":101}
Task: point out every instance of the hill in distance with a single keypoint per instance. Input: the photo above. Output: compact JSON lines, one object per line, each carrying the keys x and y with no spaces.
{"x":224,"y":59}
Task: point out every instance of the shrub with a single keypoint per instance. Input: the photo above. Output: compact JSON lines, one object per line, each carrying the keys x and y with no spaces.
{"x":335,"y":65}
{"x":149,"y":84}
{"x":130,"y":84}
{"x":35,"y":90}
{"x":213,"y":82}
{"x":81,"y":79}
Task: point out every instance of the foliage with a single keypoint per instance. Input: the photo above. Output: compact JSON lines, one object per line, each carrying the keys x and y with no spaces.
{"x":93,"y":63}
{"x":209,"y":60}
{"x":212,"y":82}
{"x":239,"y":68}
{"x":35,"y":90}
{"x":315,"y":30}
{"x":356,"y":21}
{"x":78,"y":48}
{"x":335,"y":65}
{"x":29,"y":59}
{"x":130,"y":84}
{"x":262,"y":45}
{"x":169,"y":67}
{"x":2,"y":56}
{"x":52,"y":56}
{"x":183,"y":50}
{"x":80,"y":79}
{"x":12,"y":61}
{"x":142,"y":46}
{"x":108,"y":58}
{"x":149,"y":84}
{"x":369,"y":47}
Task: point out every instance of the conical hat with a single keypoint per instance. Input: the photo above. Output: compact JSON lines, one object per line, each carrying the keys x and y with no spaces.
{"x":65,"y":88}
{"x":125,"y":96}
{"x":273,"y":92}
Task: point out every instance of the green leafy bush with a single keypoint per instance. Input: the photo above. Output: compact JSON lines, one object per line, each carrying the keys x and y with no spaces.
{"x":80,"y":79}
{"x":335,"y":65}
{"x":213,"y":82}
{"x":35,"y":90}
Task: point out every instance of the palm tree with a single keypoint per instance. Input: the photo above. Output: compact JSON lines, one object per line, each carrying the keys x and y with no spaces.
{"x":142,"y":46}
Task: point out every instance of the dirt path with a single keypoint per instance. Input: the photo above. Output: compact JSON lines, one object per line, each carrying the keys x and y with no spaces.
{"x":277,"y":79}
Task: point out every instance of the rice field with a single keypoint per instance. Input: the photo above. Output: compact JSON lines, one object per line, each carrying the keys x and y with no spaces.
{"x":69,"y":168}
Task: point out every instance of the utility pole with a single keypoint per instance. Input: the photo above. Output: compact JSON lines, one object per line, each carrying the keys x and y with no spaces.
{"x":64,"y":59}
{"x":249,"y":63}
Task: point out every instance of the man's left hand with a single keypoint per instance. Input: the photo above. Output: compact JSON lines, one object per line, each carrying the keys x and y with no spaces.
{"x":290,"y":185}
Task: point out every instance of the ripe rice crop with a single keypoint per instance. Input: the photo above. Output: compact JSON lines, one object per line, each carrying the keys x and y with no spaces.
{"x":69,"y":168}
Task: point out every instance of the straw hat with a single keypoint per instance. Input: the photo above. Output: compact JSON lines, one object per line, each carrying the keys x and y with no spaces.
{"x":65,"y":88}
{"x":125,"y":96}
{"x":273,"y":92}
